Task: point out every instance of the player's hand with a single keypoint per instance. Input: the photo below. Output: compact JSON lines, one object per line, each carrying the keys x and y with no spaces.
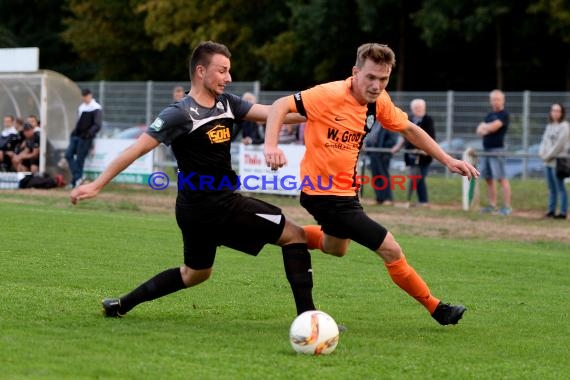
{"x":82,"y":192}
{"x":463,"y":168}
{"x":274,"y":157}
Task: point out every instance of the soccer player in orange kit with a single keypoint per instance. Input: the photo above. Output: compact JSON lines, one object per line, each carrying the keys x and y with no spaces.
{"x":339,"y":115}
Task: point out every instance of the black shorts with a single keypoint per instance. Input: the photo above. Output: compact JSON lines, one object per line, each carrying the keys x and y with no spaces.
{"x":243,"y":223}
{"x":344,"y":218}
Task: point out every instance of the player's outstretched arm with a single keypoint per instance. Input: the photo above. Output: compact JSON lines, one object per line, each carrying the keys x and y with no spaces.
{"x":140,"y":147}
{"x":260,"y":112}
{"x":423,"y":141}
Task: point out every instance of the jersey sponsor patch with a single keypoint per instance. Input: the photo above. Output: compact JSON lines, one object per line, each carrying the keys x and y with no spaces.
{"x":157,"y":124}
{"x":370,"y":122}
{"x":219,"y":134}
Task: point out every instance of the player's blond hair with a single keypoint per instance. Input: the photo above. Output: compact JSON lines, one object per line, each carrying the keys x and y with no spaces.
{"x":378,"y":53}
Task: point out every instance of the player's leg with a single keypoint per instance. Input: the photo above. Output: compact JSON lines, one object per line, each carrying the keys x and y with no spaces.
{"x":405,"y":276}
{"x":199,"y":256}
{"x":317,"y":239}
{"x":327,"y":236}
{"x":164,"y":283}
{"x":297,"y":265}
{"x":367,"y":232}
{"x":253,"y":224}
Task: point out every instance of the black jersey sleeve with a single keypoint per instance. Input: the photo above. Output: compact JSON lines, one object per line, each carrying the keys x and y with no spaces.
{"x":168,"y":125}
{"x":239,"y":107}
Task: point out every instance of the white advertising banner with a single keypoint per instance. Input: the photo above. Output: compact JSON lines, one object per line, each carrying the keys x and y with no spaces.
{"x":105,"y":150}
{"x":256,"y":177}
{"x":19,"y":59}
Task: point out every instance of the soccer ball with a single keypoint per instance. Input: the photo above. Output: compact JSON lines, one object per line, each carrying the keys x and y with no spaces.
{"x":314,"y":333}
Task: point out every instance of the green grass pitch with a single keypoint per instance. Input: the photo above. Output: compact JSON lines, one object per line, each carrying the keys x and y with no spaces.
{"x":57,"y":263}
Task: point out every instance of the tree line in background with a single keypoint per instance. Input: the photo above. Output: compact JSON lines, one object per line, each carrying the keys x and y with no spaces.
{"x":287,"y":45}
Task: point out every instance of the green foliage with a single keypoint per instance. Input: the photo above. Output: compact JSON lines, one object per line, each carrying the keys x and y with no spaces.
{"x":7,"y":38}
{"x":558,"y":16}
{"x":109,"y":33}
{"x":294,"y":44}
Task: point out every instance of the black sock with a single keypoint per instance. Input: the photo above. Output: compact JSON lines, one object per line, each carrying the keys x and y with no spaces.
{"x":164,"y":283}
{"x":297,"y":262}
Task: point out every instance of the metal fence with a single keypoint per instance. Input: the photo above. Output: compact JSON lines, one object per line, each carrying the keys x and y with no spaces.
{"x":455,"y":114}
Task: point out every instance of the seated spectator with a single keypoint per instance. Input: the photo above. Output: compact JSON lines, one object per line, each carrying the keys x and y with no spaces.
{"x":35,"y":122}
{"x":27,"y":155}
{"x":9,"y":140}
{"x":19,"y":125}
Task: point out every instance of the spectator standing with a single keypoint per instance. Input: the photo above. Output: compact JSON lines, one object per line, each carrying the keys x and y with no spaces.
{"x":418,"y":163}
{"x":380,"y":162}
{"x":178,"y":93}
{"x":555,"y":142}
{"x":493,"y":130}
{"x":89,"y":121}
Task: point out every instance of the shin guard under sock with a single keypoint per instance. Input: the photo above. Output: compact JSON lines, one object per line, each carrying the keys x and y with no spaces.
{"x":408,"y":280}
{"x":164,"y":283}
{"x":297,"y":262}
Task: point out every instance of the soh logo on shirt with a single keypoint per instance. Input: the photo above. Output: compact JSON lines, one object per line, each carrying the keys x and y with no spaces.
{"x":219,"y":134}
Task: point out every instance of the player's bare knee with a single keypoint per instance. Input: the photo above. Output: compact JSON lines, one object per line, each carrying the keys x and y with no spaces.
{"x":291,"y":234}
{"x":192,"y":277}
{"x":337,"y":249}
{"x":390,"y":250}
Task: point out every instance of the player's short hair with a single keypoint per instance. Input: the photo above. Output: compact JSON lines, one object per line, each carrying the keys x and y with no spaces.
{"x":378,"y":53}
{"x":202,"y":54}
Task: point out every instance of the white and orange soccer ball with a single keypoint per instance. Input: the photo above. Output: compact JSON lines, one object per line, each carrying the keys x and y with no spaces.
{"x":314,"y":333}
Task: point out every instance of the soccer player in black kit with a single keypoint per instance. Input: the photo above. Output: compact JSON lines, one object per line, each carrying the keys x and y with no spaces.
{"x":199,"y":128}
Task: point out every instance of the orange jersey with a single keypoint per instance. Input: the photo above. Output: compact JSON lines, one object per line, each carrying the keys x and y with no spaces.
{"x":334,"y":135}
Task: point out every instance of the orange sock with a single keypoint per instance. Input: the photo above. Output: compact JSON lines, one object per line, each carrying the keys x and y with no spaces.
{"x":314,"y":237}
{"x":408,"y":280}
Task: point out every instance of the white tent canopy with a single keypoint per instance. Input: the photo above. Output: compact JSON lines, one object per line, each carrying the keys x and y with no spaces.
{"x":53,"y":98}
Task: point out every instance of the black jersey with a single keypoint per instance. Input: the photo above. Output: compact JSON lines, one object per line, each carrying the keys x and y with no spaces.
{"x":200,"y":138}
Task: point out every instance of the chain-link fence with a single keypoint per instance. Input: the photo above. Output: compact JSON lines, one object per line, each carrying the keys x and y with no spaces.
{"x":455,"y":114}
